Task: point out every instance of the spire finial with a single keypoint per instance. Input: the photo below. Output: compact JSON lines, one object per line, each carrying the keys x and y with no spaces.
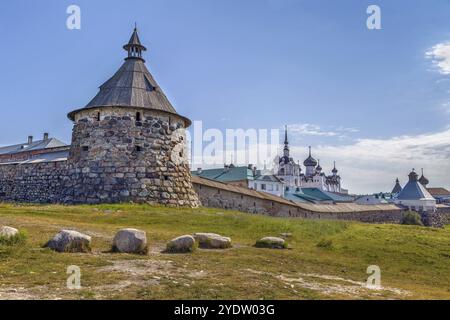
{"x":134,"y":46}
{"x":285,"y":135}
{"x":309,"y":150}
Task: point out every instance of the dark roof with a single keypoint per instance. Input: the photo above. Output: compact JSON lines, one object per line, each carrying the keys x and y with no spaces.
{"x":132,"y":86}
{"x":397,"y":187}
{"x":35,"y":145}
{"x":134,"y":41}
{"x":268,"y":178}
{"x":229,"y":174}
{"x":414,"y":190}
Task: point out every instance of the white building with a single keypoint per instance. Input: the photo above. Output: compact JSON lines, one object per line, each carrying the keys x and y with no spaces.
{"x":291,"y":173}
{"x":268,"y":183}
{"x":415,"y":196}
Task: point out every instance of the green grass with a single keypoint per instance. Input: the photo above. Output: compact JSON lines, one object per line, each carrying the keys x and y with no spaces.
{"x":323,"y":256}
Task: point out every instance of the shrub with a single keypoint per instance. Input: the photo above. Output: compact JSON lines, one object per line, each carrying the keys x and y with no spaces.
{"x":14,"y":240}
{"x":412,"y":218}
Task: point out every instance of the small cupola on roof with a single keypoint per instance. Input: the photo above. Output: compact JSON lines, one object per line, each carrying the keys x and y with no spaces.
{"x":334,"y":171}
{"x":132,"y":86}
{"x":134,"y":47}
{"x":318,"y":168}
{"x":310,"y":161}
{"x":423,"y":181}
{"x":397,"y":188}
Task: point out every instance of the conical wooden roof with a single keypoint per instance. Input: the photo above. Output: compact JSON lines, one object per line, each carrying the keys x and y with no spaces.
{"x":132,"y":86}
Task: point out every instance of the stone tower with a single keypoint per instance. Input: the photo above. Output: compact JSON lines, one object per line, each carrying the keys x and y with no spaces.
{"x":128,"y":143}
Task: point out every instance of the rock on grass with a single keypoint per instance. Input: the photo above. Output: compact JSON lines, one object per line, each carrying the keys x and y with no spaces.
{"x":212,"y":241}
{"x":11,"y":236}
{"x":130,"y":241}
{"x":271,"y":243}
{"x":70,"y":241}
{"x":181,"y":244}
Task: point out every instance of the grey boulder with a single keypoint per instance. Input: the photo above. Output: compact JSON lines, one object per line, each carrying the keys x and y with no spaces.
{"x":70,"y":241}
{"x":130,"y":241}
{"x":271,"y":243}
{"x":181,"y":244}
{"x":8,"y":232}
{"x":212,"y":241}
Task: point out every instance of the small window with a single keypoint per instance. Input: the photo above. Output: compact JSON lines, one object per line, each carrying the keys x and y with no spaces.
{"x":98,"y":116}
{"x":166,"y":178}
{"x":263,"y":186}
{"x":138,"y":116}
{"x":138,"y":148}
{"x":148,"y":85}
{"x":85,"y":148}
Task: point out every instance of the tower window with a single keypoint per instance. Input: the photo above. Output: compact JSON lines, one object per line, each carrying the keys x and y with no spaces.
{"x":148,"y":85}
{"x":138,"y":116}
{"x":85,"y":148}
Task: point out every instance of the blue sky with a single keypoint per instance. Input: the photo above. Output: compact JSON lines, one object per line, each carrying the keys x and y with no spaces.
{"x":371,"y":99}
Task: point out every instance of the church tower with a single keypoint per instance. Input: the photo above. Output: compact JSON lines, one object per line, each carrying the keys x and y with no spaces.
{"x":128,"y":142}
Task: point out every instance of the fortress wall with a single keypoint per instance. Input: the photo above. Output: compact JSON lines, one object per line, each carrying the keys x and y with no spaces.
{"x":228,"y":198}
{"x":37,"y":182}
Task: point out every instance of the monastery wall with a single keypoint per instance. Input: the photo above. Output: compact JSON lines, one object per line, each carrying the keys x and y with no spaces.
{"x":35,"y":183}
{"x":219,"y":195}
{"x":50,"y":183}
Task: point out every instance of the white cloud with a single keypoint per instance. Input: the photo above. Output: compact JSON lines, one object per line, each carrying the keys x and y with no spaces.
{"x":308,"y":129}
{"x":440,"y":55}
{"x":371,"y":165}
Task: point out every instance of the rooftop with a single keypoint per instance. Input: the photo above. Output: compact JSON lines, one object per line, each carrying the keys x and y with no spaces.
{"x":32,"y":146}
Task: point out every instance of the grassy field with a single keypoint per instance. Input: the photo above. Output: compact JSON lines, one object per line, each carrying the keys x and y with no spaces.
{"x":326,"y":259}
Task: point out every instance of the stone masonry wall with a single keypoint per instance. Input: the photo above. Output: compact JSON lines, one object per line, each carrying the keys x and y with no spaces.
{"x":224,"y":199}
{"x":129,"y":154}
{"x":39,"y":182}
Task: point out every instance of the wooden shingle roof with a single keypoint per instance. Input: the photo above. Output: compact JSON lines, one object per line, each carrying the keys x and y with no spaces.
{"x":132,"y":86}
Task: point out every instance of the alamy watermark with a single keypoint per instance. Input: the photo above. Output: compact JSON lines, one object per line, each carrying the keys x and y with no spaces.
{"x":374,"y":280}
{"x":74,"y":279}
{"x":374,"y":20}
{"x":73,"y":21}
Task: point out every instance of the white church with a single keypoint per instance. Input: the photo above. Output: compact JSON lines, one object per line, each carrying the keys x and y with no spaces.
{"x":291,"y":173}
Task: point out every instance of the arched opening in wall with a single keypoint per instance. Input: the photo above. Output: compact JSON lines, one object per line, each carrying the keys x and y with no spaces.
{"x":138,"y":116}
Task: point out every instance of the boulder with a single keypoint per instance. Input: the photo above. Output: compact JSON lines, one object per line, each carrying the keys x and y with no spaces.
{"x":130,"y":241}
{"x":8,"y":232}
{"x":212,"y":241}
{"x":271,"y":243}
{"x":181,"y":244}
{"x":70,"y":241}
